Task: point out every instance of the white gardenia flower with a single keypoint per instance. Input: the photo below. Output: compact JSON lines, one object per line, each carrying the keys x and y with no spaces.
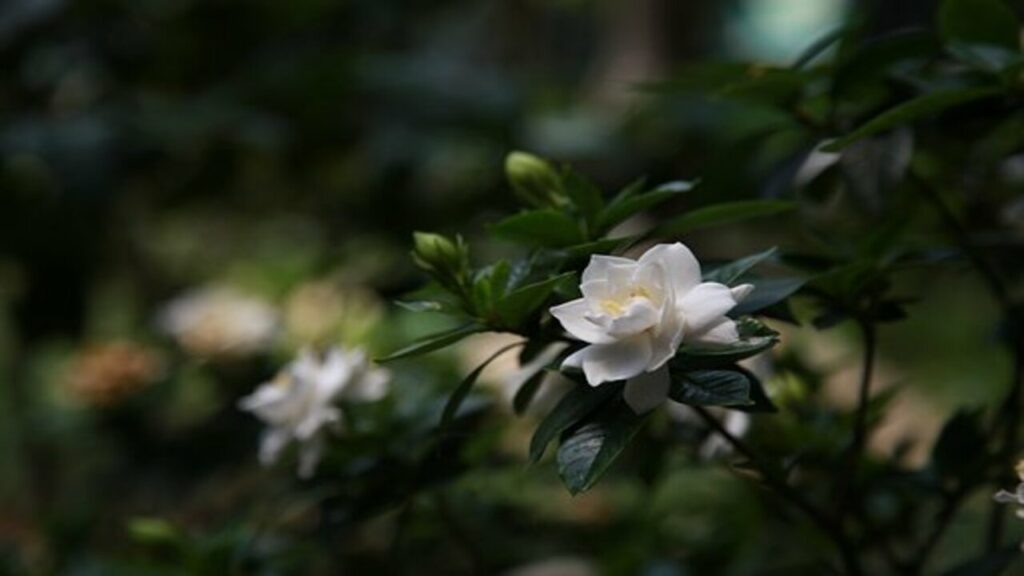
{"x":636,"y":313}
{"x":1015,"y":497}
{"x":300,"y":403}
{"x":220,"y":322}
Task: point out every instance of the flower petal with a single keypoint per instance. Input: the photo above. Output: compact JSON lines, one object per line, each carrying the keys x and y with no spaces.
{"x":272,"y":443}
{"x":647,"y":391}
{"x":614,"y":268}
{"x":720,"y":334}
{"x":740,"y":293}
{"x":614,"y":361}
{"x":370,"y":386}
{"x":667,"y":337}
{"x":638,"y":316}
{"x":682,"y":270}
{"x":706,"y":305}
{"x":573,"y":317}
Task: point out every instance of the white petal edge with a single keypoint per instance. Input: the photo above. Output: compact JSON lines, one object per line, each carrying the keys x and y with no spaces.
{"x":721,"y":334}
{"x":682,"y":270}
{"x":572,"y":316}
{"x":706,"y":305}
{"x":618,"y":360}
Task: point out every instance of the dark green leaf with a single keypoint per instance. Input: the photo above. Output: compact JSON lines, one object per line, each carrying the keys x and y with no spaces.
{"x":710,"y":388}
{"x":696,"y":356}
{"x":818,"y":47}
{"x":451,"y":408}
{"x":759,"y":400}
{"x":979,"y":22}
{"x":524,"y":395}
{"x":920,"y":107}
{"x":729,"y":273}
{"x":520,"y":303}
{"x":629,"y":203}
{"x":584,"y":195}
{"x":726,"y":213}
{"x":992,"y":564}
{"x":576,"y":405}
{"x":589,"y":450}
{"x":956,"y":452}
{"x":540,"y":228}
{"x":767,"y":292}
{"x":433,"y":342}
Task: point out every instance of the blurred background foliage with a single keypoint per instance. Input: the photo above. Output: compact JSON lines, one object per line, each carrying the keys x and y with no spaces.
{"x":261,"y":165}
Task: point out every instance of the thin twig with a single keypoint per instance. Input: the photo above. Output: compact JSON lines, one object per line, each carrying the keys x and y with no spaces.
{"x":855,"y":454}
{"x":816,"y":516}
{"x":1008,"y":417}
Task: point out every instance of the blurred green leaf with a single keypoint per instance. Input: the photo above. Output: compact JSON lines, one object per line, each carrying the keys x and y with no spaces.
{"x":520,"y":303}
{"x":451,"y":408}
{"x":628,"y":204}
{"x":960,"y":446}
{"x":540,"y":228}
{"x":434,"y":342}
{"x":725,"y":213}
{"x":585,"y":196}
{"x":580,"y":401}
{"x":587,"y":452}
{"x":526,"y":392}
{"x":729,"y":273}
{"x":767,"y":292}
{"x":992,"y":564}
{"x":979,"y":22}
{"x":920,"y":107}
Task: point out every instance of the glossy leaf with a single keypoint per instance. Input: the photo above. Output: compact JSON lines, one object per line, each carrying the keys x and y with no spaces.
{"x":540,"y":228}
{"x":514,"y":307}
{"x":913,"y":110}
{"x":433,"y":342}
{"x":729,"y":273}
{"x":576,"y":405}
{"x":710,"y":388}
{"x":767,"y":292}
{"x":725,"y":213}
{"x":587,"y":452}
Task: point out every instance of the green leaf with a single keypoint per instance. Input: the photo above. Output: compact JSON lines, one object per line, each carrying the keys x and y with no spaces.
{"x":520,"y":303}
{"x":956,"y":452}
{"x":619,"y":212}
{"x":540,"y":228}
{"x":767,"y":292}
{"x":587,"y":451}
{"x":920,"y":107}
{"x":433,"y":342}
{"x":725,"y":213}
{"x":979,"y":22}
{"x":526,"y":392}
{"x":629,"y":203}
{"x":576,"y":405}
{"x":697,"y":356}
{"x":729,"y":273}
{"x":992,"y":564}
{"x":818,"y":47}
{"x":451,"y":408}
{"x":584,"y":195}
{"x":710,"y":388}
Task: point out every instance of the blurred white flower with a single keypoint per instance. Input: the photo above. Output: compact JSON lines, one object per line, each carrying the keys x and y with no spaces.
{"x":1017,"y":496}
{"x":219,"y":322}
{"x":301,"y":402}
{"x":636,"y":313}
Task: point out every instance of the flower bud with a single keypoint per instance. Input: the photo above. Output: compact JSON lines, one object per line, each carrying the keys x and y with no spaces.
{"x":444,"y":259}
{"x":534,"y":180}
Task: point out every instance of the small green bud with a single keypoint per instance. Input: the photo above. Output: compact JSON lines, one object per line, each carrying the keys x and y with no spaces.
{"x":534,"y":180}
{"x":446,"y":260}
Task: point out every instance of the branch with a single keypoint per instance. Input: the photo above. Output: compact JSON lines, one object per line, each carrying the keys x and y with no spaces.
{"x":823,"y":522}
